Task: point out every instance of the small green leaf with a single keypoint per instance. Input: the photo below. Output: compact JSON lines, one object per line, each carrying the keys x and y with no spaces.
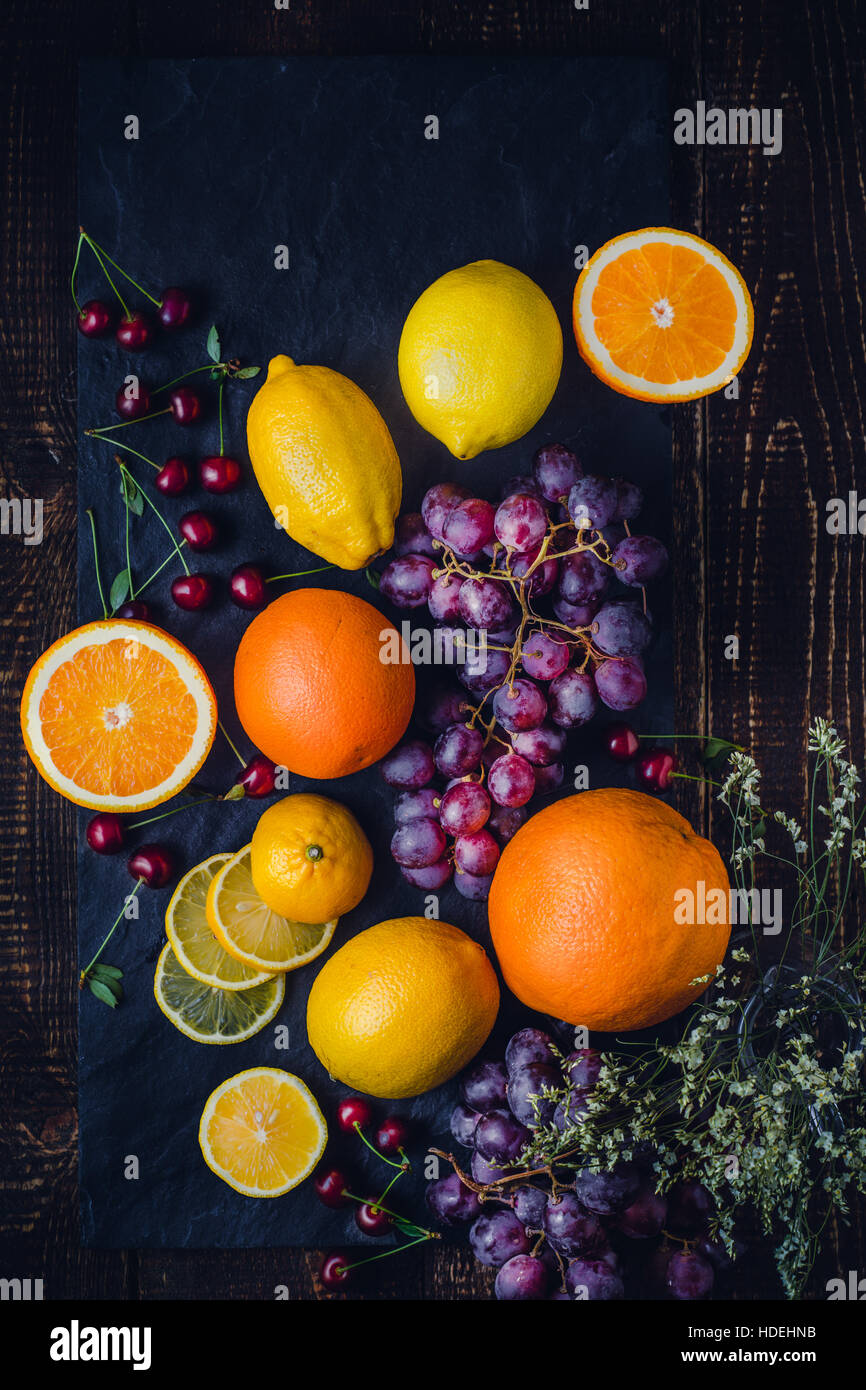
{"x":214,"y":350}
{"x":215,"y":373}
{"x":714,"y":746}
{"x":246,"y":372}
{"x":235,"y":793}
{"x":102,"y":992}
{"x":759,"y":830}
{"x":110,"y":972}
{"x":372,"y":577}
{"x":119,"y":589}
{"x":132,"y":494}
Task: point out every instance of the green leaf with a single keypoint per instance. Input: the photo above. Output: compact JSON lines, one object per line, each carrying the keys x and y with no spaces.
{"x":759,"y":830}
{"x":119,"y":589}
{"x":214,"y":350}
{"x":372,"y":577}
{"x":215,"y":373}
{"x":714,"y":746}
{"x":102,"y":992}
{"x":132,"y":494}
{"x":235,"y":793}
{"x":110,"y":972}
{"x":244,"y":373}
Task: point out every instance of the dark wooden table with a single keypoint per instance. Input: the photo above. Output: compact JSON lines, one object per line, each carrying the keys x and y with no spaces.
{"x":752,"y":479}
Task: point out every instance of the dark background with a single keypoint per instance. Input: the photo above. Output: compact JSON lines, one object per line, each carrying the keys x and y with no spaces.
{"x":751,"y":481}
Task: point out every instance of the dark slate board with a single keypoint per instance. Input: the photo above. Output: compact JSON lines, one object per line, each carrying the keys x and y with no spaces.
{"x":329,"y":157}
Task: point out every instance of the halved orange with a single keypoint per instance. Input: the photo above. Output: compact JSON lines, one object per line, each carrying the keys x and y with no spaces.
{"x":118,"y":715}
{"x":661,"y":315}
{"x":262,"y":1132}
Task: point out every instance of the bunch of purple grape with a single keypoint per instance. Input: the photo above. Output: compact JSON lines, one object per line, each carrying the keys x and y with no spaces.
{"x":574,"y":1239}
{"x":529,"y":676}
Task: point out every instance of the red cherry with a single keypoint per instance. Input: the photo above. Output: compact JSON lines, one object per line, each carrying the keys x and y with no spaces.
{"x":95,"y":318}
{"x":175,"y":308}
{"x":372,"y":1220}
{"x":258,"y":778}
{"x":192,"y":591}
{"x":353,"y":1111}
{"x":655,"y":768}
{"x":335,"y":1272}
{"x":134,"y":608}
{"x":199,"y":530}
{"x":392,"y":1135}
{"x":105,"y":833}
{"x":173,"y":478}
{"x":331,"y":1187}
{"x":248,"y":586}
{"x":153,"y":863}
{"x":131,"y":407}
{"x":185,"y":405}
{"x":219,"y":473}
{"x":134,"y":332}
{"x":621,"y":742}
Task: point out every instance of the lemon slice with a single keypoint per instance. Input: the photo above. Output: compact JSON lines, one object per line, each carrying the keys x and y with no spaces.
{"x":250,"y":931}
{"x":209,"y":1015}
{"x":262,"y":1132}
{"x":192,"y":940}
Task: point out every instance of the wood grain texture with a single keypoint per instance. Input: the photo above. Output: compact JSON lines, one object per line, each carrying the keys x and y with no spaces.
{"x":752,"y":478}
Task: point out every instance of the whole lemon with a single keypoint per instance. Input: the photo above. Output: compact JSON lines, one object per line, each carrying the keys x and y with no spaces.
{"x":402,"y":1007}
{"x":325,"y":461}
{"x":310,"y":859}
{"x":480,"y":357}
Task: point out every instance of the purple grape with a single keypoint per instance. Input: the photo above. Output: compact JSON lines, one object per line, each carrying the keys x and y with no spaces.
{"x":443,"y":598}
{"x":417,"y":805}
{"x":583,"y":577}
{"x":689,"y":1208}
{"x":438,"y":502}
{"x":443,"y":706}
{"x":464,"y":809}
{"x":485,"y":603}
{"x":407,"y":581}
{"x":418,"y":844}
{"x":645,"y":1215}
{"x":689,"y":1276}
{"x":520,"y":522}
{"x":476,"y":854}
{"x":572,"y":699}
{"x":519,"y":706}
{"x":621,"y":682}
{"x":543,"y":576}
{"x":622,"y":629}
{"x":483,"y":1087}
{"x":583,"y":1066}
{"x":543,"y":656}
{"x":511,"y":780}
{"x":592,"y":502}
{"x":411,"y":536}
{"x":527,"y":1047}
{"x":629,"y":500}
{"x":497,"y":1238}
{"x":458,"y":750}
{"x":484,"y":670}
{"x":541,"y":747}
{"x":499,"y":1137}
{"x":469,"y":527}
{"x":575,"y":615}
{"x":463,"y":1122}
{"x":564,"y":1116}
{"x":410,"y":766}
{"x":530,"y":1204}
{"x":716,"y":1253}
{"x":527,"y":1082}
{"x":643,"y":559}
{"x":570,"y":1228}
{"x":521,"y":482}
{"x":549,"y":778}
{"x":431,"y":878}
{"x":556,"y":470}
{"x":593,"y":1279}
{"x":505,"y":821}
{"x":607,"y":1193}
{"x":522,"y":1277}
{"x":451,"y":1201}
{"x":474,"y":887}
{"x":485,"y":1172}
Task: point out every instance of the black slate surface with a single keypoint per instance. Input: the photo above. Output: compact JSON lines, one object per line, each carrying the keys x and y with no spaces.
{"x":328,"y":157}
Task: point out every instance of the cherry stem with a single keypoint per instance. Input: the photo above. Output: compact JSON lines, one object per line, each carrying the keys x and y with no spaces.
{"x":365,"y":1201}
{"x":704,"y":737}
{"x":157,"y":572}
{"x":687,"y":777}
{"x":173,"y":812}
{"x":125,"y":273}
{"x":87,"y":970}
{"x":384,"y":1254}
{"x":99,"y":430}
{"x":395,"y":1178}
{"x":373,"y":1150}
{"x":220,"y":410}
{"x":126,"y":447}
{"x":224,"y":733}
{"x":74,"y":269}
{"x":297,"y":574}
{"x":208,"y":366}
{"x":123,"y":468}
{"x":97,"y":253}
{"x":96,"y":563}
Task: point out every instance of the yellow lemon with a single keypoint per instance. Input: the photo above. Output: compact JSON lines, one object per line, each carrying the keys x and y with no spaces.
{"x":250,"y":931}
{"x":194,"y":945}
{"x":208,"y":1013}
{"x":310,"y":859}
{"x":402,"y":1007}
{"x":480,"y":357}
{"x":262,"y":1132}
{"x":325,"y":461}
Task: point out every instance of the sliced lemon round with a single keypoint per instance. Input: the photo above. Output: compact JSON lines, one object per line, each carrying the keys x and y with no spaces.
{"x":262,"y":1132}
{"x":210,"y":1015}
{"x":192,"y":940}
{"x":244,"y":924}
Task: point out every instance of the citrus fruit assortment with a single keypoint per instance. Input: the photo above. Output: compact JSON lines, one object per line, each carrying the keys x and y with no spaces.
{"x":262,"y":1132}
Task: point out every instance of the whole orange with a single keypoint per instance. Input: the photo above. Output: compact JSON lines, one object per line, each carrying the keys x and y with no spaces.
{"x":311,"y":689}
{"x":589,"y":911}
